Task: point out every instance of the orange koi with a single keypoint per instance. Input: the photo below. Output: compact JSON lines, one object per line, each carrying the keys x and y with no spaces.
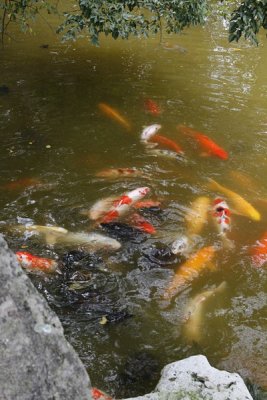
{"x":196,"y":264}
{"x":35,"y":263}
{"x":146,"y":204}
{"x":141,"y":223}
{"x":170,"y":144}
{"x":21,"y":183}
{"x":114,"y":114}
{"x":258,"y":252}
{"x":205,"y":142}
{"x":123,"y":204}
{"x":99,"y":395}
{"x":152,"y":107}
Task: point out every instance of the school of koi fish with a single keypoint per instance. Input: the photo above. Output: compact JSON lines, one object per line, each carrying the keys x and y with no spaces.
{"x":219,"y":209}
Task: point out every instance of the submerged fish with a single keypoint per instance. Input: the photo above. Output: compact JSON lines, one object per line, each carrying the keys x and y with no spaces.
{"x":139,"y":222}
{"x":147,"y":204}
{"x":166,"y":154}
{"x":54,"y":235}
{"x":152,"y":107}
{"x":208,"y":145}
{"x":89,"y":241}
{"x":123,"y":204}
{"x":114,"y":114}
{"x":243,"y":180}
{"x":258,"y":251}
{"x":193,"y":319}
{"x":190,"y":269}
{"x":197,"y":216}
{"x":240,"y":205}
{"x":181,"y":245}
{"x":169,"y":143}
{"x":149,"y":131}
{"x":21,"y":184}
{"x":35,"y":263}
{"x":114,"y":173}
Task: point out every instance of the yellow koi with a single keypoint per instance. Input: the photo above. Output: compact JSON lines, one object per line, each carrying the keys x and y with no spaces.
{"x":240,"y":205}
{"x":189,"y":270}
{"x":193,"y":318}
{"x":197,"y":216}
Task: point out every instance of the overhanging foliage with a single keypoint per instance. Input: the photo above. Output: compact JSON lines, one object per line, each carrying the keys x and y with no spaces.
{"x":125,"y":18}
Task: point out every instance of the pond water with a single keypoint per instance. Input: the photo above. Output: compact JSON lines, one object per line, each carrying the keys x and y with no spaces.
{"x":52,"y":130}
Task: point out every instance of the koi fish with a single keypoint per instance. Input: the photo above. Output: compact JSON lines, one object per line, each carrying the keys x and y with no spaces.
{"x":221,"y":213}
{"x":35,"y":263}
{"x":99,"y":395}
{"x":194,"y":310}
{"x":99,"y":208}
{"x":221,"y":217}
{"x":190,"y":269}
{"x":149,"y":131}
{"x":114,"y":114}
{"x":181,"y":245}
{"x":244,"y":181}
{"x":21,"y":183}
{"x":51,"y":233}
{"x":240,"y":205}
{"x":208,"y":145}
{"x":166,"y":154}
{"x":123,"y":204}
{"x":258,"y":252}
{"x":102,"y":206}
{"x":152,"y":107}
{"x":166,"y":142}
{"x":89,"y":241}
{"x":114,"y":173}
{"x":139,"y":222}
{"x":147,"y":204}
{"x":197,"y":215}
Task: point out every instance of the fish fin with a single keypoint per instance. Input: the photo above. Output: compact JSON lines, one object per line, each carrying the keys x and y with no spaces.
{"x":204,"y":154}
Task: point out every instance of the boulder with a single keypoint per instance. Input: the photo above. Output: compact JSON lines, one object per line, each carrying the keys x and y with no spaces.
{"x":195,"y":379}
{"x":36,"y":361}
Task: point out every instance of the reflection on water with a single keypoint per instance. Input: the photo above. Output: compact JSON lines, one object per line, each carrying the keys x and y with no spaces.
{"x":55,"y":140}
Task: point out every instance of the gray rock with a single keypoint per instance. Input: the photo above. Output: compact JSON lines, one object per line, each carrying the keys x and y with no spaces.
{"x":195,"y":379}
{"x":36,"y":361}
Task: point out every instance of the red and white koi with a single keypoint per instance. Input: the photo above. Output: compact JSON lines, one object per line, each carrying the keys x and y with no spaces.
{"x":221,"y":214}
{"x":123,"y":204}
{"x":35,"y":263}
{"x":139,"y":222}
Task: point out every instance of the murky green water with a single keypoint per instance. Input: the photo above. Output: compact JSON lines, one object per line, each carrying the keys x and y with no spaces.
{"x":52,"y":129}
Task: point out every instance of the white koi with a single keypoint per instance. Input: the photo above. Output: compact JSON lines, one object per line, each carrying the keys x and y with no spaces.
{"x":149,"y":131}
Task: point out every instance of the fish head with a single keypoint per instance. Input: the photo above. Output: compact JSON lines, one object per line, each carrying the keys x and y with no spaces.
{"x":144,"y":191}
{"x":149,"y":131}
